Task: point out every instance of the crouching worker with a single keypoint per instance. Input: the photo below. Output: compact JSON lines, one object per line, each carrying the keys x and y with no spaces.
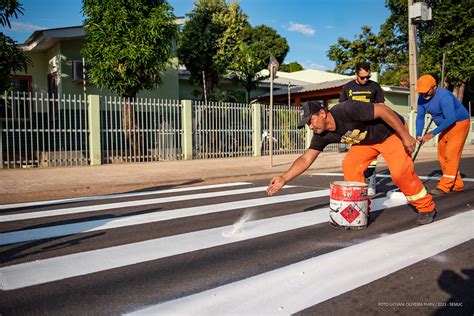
{"x":372,"y":129}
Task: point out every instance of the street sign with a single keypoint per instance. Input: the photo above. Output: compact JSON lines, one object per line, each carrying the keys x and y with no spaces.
{"x":273,"y":65}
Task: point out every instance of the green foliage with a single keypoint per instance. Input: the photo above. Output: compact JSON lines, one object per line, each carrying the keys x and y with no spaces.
{"x":450,"y":32}
{"x":210,"y":40}
{"x":347,"y":53}
{"x":291,"y":67}
{"x":8,"y":9}
{"x":128,"y":43}
{"x":258,"y":45}
{"x":265,"y":41}
{"x":12,"y":58}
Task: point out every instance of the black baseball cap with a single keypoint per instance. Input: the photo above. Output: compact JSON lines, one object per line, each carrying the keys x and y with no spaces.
{"x":308,"y":109}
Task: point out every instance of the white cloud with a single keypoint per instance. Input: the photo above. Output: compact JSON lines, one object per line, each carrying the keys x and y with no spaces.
{"x":301,"y":28}
{"x":315,"y":66}
{"x":25,"y":27}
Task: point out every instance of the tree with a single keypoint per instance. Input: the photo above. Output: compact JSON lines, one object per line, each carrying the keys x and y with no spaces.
{"x":347,"y":54}
{"x":258,"y":45}
{"x":450,"y":33}
{"x":291,"y":67}
{"x":12,"y":58}
{"x":128,"y":44}
{"x":210,"y":41}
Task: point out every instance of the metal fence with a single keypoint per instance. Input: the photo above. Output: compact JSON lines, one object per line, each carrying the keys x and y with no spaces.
{"x":221,"y":130}
{"x":137,"y":130}
{"x":43,"y":130}
{"x":287,"y":138}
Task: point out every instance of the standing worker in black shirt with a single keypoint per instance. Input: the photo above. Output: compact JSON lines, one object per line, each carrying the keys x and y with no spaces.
{"x":365,"y":90}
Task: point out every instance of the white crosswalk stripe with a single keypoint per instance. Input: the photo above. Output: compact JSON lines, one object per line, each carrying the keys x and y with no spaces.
{"x":82,"y":263}
{"x":293,"y":288}
{"x":95,"y":208}
{"x":116,"y":196}
{"x":338,"y":174}
{"x":284,"y":290}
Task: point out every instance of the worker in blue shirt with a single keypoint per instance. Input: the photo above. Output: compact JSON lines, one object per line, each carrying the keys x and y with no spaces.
{"x":452,"y":121}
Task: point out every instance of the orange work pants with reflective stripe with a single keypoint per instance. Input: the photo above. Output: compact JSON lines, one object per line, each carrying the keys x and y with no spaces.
{"x":400,"y":165}
{"x":450,"y":145}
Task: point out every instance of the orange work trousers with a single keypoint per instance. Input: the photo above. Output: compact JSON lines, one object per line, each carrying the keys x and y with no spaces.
{"x":400,"y":165}
{"x":450,"y":145}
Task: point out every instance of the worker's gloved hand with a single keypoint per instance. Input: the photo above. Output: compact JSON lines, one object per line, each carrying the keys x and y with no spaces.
{"x":428,"y":136}
{"x":410,"y":143}
{"x":275,"y":185}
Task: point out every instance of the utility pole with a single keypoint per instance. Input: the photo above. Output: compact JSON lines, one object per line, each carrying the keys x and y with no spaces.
{"x":412,"y":57}
{"x":273,"y":68}
{"x":417,"y":13}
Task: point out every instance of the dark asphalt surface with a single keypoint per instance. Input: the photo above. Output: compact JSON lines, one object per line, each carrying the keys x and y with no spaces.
{"x":441,"y":283}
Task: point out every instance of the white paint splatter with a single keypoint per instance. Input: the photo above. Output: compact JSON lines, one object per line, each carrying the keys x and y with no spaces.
{"x":441,"y":258}
{"x":238,"y":226}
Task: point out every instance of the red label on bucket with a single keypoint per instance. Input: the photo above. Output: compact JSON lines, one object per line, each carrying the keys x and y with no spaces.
{"x":348,"y":193}
{"x":350,"y":214}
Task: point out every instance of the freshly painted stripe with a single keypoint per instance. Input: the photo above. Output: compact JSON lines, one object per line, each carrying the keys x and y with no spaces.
{"x":100,"y":207}
{"x":335,"y":174}
{"x":102,"y":224}
{"x":425,"y":177}
{"x":48,"y":270}
{"x":121,"y":195}
{"x":296,"y":287}
{"x":330,"y":174}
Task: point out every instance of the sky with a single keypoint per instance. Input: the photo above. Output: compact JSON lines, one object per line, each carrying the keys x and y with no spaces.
{"x":309,"y":26}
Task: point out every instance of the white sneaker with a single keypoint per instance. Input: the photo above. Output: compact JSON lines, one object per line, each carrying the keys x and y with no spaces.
{"x":371,"y":190}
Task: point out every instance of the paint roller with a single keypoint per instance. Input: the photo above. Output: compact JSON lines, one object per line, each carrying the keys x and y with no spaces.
{"x":395,"y":193}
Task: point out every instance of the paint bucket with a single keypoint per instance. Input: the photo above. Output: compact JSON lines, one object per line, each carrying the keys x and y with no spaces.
{"x":349,"y":205}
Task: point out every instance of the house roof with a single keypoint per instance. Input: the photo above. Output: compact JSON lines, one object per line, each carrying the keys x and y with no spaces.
{"x":44,"y":39}
{"x":310,"y":87}
{"x":308,"y":75}
{"x":278,"y":82}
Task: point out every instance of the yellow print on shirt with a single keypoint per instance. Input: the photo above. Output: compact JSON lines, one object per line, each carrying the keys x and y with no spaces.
{"x":353,"y":137}
{"x":361,"y":98}
{"x":365,"y":97}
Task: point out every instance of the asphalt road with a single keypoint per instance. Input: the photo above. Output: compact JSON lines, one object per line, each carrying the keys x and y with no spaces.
{"x":184,"y":252}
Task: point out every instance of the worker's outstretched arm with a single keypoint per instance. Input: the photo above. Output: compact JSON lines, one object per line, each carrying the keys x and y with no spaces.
{"x":388,"y":116}
{"x":298,"y":167}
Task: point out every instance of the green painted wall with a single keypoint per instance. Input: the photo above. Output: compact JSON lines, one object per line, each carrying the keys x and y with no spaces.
{"x":38,"y":72}
{"x":397,"y":102}
{"x":60,"y":57}
{"x":71,"y":50}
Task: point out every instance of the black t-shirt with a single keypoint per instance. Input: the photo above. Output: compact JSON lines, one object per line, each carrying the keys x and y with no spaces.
{"x":370,"y":92}
{"x":355,"y":124}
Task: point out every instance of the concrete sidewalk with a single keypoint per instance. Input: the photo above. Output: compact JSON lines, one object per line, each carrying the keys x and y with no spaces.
{"x":22,"y":185}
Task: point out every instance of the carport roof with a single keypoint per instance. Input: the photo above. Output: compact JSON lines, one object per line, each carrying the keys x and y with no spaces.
{"x":313,"y":87}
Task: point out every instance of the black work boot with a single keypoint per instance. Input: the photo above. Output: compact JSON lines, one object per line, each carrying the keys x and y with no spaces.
{"x":425,"y":217}
{"x":438,"y":192}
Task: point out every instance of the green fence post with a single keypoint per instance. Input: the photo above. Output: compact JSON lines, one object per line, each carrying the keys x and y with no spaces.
{"x":257,"y":129}
{"x":412,"y":122}
{"x":1,"y":140}
{"x":187,"y":123}
{"x":94,"y":130}
{"x":308,"y":136}
{"x":470,"y":136}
